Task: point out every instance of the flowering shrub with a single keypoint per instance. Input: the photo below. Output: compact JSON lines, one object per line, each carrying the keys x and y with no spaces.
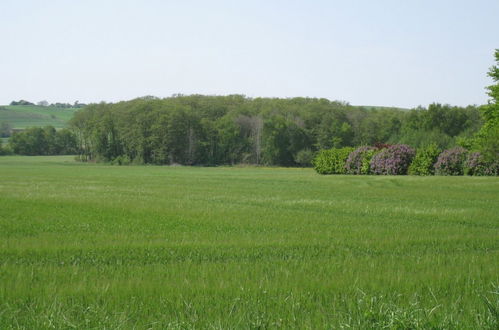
{"x":401,"y":159}
{"x":358,"y":161}
{"x":331,"y":161}
{"x":476,"y":164}
{"x":451,"y":162}
{"x":493,"y":168}
{"x":423,"y":162}
{"x":394,"y":160}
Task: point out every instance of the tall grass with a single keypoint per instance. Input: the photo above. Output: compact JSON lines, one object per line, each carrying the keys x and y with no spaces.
{"x":96,"y":246}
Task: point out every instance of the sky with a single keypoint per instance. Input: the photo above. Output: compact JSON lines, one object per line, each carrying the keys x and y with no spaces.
{"x":386,"y":53}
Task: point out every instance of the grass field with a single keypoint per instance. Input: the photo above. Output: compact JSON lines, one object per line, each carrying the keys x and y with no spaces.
{"x":96,"y":246}
{"x":20,"y":116}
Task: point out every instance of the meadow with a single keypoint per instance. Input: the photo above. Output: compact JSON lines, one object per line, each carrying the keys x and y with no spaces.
{"x":100,"y":246}
{"x":24,"y":116}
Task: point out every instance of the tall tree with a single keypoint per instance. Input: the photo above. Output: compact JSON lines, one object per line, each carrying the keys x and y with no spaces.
{"x":488,"y":136}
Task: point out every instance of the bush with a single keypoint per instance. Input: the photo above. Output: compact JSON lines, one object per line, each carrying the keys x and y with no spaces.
{"x":331,"y":161}
{"x":358,"y":161}
{"x":493,"y":168}
{"x":476,"y":164}
{"x":451,"y":162}
{"x":304,"y":157}
{"x":121,"y":160}
{"x":423,"y":162}
{"x":394,"y":160}
{"x":5,"y":149}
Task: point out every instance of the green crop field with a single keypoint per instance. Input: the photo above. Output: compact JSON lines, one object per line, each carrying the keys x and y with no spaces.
{"x":22,"y":116}
{"x":98,"y":246}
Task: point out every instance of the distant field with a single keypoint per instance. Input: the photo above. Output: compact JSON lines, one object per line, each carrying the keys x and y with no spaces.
{"x":20,"y":116}
{"x":97,"y":246}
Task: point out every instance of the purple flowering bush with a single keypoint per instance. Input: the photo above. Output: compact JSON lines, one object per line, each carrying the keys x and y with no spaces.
{"x":401,"y":159}
{"x":451,"y":162}
{"x":476,"y":164}
{"x":358,"y":161}
{"x":394,"y":160}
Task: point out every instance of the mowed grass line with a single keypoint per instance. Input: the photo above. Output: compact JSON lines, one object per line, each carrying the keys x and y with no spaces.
{"x":90,"y":245}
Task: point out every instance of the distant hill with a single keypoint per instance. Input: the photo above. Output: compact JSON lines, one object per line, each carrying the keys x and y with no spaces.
{"x":23,"y":116}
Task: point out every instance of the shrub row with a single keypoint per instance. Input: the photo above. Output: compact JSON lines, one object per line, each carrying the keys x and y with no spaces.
{"x":332,"y":161}
{"x":401,"y":159}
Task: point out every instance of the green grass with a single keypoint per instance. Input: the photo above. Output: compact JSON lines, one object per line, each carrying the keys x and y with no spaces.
{"x":96,"y":246}
{"x":20,"y":116}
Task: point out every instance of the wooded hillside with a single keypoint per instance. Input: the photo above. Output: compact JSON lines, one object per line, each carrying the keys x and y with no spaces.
{"x":213,"y":130}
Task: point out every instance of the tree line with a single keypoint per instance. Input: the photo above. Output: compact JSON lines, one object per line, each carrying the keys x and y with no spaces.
{"x":44,"y":103}
{"x":217,"y":130}
{"x":36,"y":141}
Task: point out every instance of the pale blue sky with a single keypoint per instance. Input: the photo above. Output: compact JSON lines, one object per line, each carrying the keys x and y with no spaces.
{"x":394,"y":53}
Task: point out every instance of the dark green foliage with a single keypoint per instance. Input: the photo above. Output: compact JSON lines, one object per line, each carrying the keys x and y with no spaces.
{"x":440,"y":124}
{"x":43,"y":141}
{"x":332,"y":161}
{"x":421,"y":138}
{"x":487,"y":139}
{"x":304,"y":157}
{"x":121,"y":160}
{"x":4,"y":149}
{"x":423,"y":162}
{"x":216,"y":130}
{"x":21,"y":102}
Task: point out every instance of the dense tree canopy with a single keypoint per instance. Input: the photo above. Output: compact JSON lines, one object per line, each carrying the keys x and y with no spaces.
{"x":488,"y":137}
{"x":211,"y":130}
{"x":43,"y":141}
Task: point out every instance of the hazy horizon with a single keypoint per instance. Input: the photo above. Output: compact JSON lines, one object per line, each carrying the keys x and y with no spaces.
{"x":386,"y":53}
